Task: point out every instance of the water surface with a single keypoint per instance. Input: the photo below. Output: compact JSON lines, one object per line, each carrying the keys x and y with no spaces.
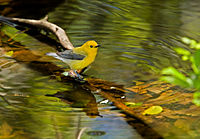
{"x":137,"y":39}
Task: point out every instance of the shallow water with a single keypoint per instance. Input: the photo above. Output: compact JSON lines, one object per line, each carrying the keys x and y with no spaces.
{"x":137,"y":38}
{"x":31,"y":114}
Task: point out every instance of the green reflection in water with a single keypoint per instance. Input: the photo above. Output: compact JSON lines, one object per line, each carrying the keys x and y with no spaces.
{"x":30,"y":113}
{"x":137,"y":37}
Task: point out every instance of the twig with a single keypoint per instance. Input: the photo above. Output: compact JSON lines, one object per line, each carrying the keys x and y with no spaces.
{"x":44,"y":24}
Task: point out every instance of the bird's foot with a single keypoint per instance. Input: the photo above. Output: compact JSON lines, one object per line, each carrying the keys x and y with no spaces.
{"x":74,"y":74}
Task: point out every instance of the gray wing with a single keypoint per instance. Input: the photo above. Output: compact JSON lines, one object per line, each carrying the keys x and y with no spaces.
{"x":68,"y":54}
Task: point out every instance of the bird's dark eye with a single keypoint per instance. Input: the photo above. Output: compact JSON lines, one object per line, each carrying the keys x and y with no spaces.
{"x":91,"y":46}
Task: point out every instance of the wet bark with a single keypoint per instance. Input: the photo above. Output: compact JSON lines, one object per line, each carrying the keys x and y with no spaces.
{"x":42,"y":24}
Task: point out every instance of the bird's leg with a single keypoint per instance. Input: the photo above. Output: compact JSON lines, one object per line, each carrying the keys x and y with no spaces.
{"x":75,"y":74}
{"x":78,"y":75}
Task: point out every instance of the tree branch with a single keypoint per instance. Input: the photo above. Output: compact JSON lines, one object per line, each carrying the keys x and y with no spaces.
{"x":44,"y":24}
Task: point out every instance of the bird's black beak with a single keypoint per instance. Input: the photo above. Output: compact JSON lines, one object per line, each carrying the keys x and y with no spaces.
{"x":97,"y":46}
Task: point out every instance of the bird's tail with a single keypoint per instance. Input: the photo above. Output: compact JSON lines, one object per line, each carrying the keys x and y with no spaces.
{"x":7,"y":20}
{"x":55,"y":56}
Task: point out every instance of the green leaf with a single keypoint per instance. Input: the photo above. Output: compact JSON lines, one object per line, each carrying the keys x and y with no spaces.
{"x":196,"y":59}
{"x":197,"y":46}
{"x":196,"y":81}
{"x":176,"y":81}
{"x":190,"y":82}
{"x":186,"y":40}
{"x":196,"y":99}
{"x":153,"y":110}
{"x":185,"y":58}
{"x":182,"y":51}
{"x":193,"y":44}
{"x":173,"y":72}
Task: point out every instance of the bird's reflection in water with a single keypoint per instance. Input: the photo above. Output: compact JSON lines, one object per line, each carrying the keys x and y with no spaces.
{"x":79,"y":98}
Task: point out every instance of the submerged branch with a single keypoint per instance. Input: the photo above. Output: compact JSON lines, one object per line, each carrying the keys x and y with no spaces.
{"x":107,"y":89}
{"x":111,"y":91}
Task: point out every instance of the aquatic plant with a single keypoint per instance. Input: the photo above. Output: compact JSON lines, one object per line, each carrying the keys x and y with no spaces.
{"x":189,"y":79}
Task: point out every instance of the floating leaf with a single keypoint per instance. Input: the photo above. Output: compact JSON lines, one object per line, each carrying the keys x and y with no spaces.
{"x":9,"y":53}
{"x":153,"y":110}
{"x":133,"y":104}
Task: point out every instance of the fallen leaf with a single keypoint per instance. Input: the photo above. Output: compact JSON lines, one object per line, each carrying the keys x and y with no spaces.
{"x":9,"y":53}
{"x":133,"y":104}
{"x":153,"y":110}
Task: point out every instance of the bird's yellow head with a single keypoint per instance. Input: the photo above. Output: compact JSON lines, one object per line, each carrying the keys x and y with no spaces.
{"x":90,"y":47}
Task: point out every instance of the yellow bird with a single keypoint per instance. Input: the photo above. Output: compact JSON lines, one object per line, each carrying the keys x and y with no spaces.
{"x":79,"y":57}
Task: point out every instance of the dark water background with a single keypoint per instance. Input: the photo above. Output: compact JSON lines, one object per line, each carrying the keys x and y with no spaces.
{"x":137,"y":37}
